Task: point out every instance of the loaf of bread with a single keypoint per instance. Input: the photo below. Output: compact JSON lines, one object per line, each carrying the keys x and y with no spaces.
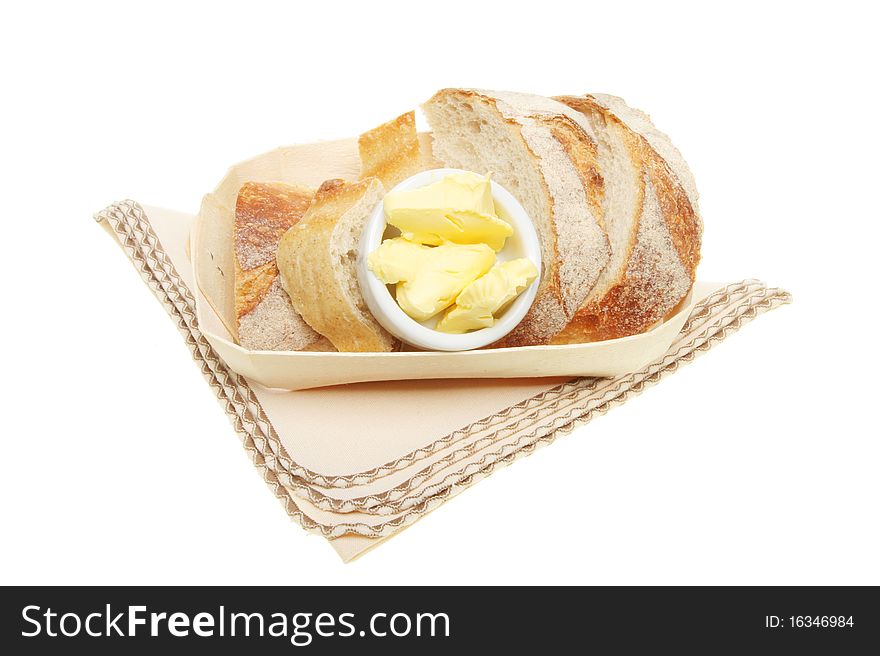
{"x":544,"y":153}
{"x":266,"y":319}
{"x":317,"y":259}
{"x":652,"y":220}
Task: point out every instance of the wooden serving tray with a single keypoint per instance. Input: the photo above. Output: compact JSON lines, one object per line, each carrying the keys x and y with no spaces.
{"x":310,"y":164}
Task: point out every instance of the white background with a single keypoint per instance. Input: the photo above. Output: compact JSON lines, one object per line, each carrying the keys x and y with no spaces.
{"x":758,"y":463}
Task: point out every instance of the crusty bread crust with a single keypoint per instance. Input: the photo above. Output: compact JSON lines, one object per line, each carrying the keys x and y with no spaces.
{"x":575,"y":249}
{"x":317,"y":257}
{"x":391,"y":152}
{"x":265,"y":318}
{"x":251,"y":286}
{"x":263,"y":213}
{"x":664,"y":246}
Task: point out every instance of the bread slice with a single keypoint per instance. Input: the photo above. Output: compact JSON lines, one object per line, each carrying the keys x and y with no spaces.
{"x":391,"y":151}
{"x":652,"y":220}
{"x":265,"y":318}
{"x":545,"y":154}
{"x":317,"y":258}
{"x":394,"y":151}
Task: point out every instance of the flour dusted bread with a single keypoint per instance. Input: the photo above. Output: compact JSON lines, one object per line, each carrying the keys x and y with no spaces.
{"x":265,"y":318}
{"x":544,"y":153}
{"x":317,"y":258}
{"x":652,"y":220}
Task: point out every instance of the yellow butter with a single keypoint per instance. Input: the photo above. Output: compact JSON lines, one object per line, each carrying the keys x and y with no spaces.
{"x":396,"y":259}
{"x":459,"y":208}
{"x":428,"y":279}
{"x":481,"y":300}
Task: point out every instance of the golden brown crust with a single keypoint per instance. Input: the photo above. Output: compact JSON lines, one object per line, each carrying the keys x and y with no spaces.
{"x":263,"y":213}
{"x":682,"y":221}
{"x":252,"y":285}
{"x":336,"y":191}
{"x":641,"y":296}
{"x":621,"y":312}
{"x":391,"y":152}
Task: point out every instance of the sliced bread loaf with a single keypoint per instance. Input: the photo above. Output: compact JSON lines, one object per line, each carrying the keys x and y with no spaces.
{"x":652,"y":220}
{"x":266,"y":319}
{"x":545,"y":154}
{"x":317,"y":258}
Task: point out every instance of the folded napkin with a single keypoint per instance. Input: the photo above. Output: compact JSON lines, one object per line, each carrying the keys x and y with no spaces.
{"x":357,"y":478}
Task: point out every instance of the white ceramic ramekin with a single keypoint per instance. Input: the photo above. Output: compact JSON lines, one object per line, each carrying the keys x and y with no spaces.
{"x":523,"y":243}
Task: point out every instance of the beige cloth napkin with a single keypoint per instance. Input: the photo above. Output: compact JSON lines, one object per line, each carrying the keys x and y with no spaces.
{"x":352,"y":475}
